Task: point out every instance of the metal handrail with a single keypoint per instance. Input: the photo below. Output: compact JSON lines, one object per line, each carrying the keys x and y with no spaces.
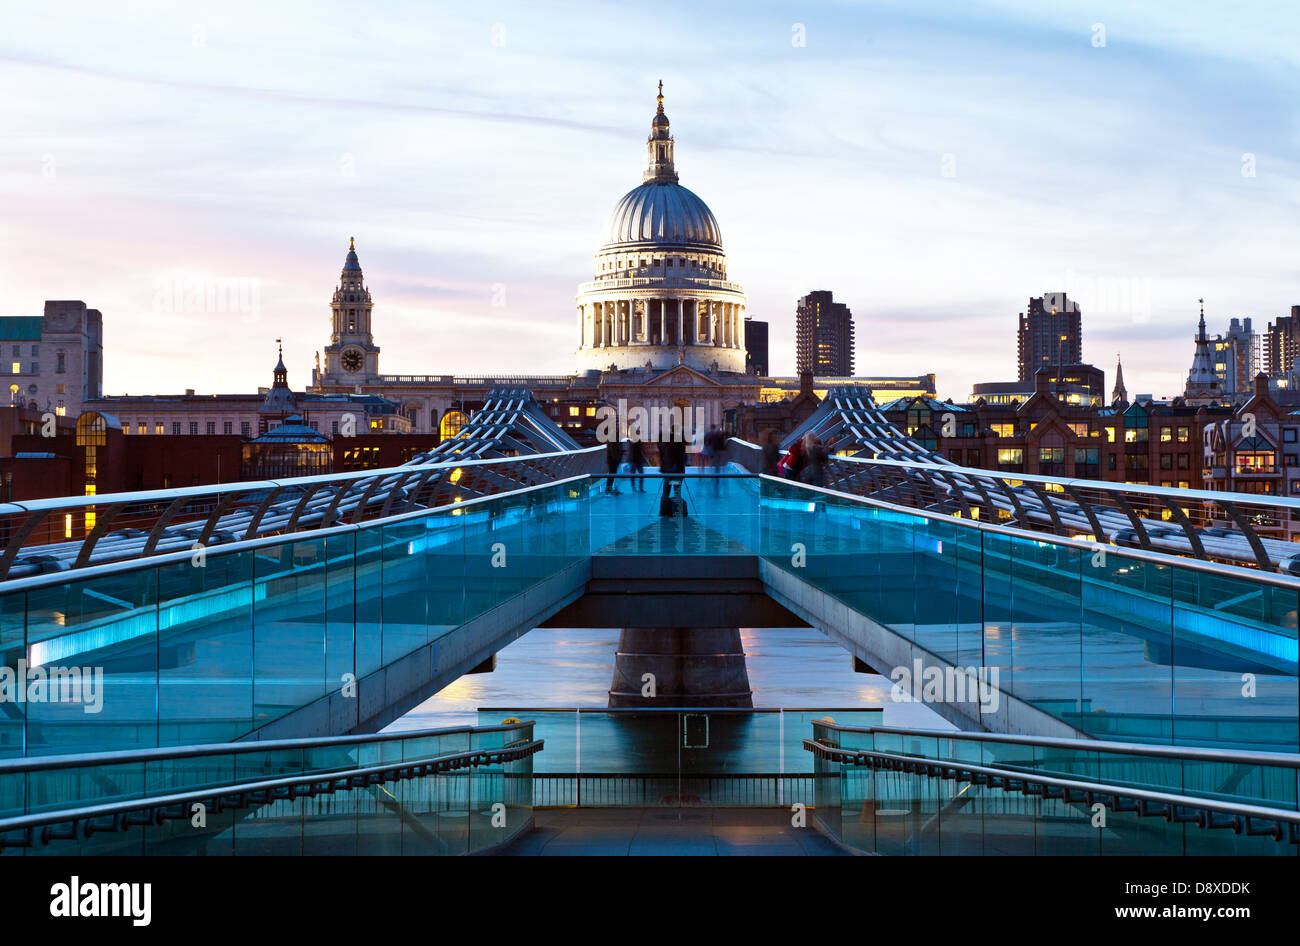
{"x":1224,"y":569}
{"x":29,"y":582}
{"x":248,"y":794}
{"x":898,"y":464}
{"x":1193,"y":753}
{"x":509,"y":442}
{"x":68,"y":503}
{"x":127,"y":756}
{"x":1200,"y":495}
{"x":1111,"y":796}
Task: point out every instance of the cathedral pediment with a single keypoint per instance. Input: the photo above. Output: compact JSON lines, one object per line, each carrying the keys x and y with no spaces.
{"x":684,"y":374}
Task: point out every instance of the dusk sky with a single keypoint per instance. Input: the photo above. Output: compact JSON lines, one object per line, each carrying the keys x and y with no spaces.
{"x":934,"y":165}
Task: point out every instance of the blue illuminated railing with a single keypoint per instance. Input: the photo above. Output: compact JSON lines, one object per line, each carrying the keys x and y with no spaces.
{"x":447,"y":791}
{"x":211,"y":645}
{"x":892,"y":791}
{"x":186,"y":648}
{"x":1118,"y":643}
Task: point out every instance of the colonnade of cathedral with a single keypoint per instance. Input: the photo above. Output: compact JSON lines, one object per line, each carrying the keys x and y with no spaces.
{"x":668,"y":322}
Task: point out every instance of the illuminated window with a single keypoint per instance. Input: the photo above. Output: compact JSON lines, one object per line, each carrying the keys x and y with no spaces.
{"x":1135,"y":435}
{"x":1080,"y":430}
{"x":140,"y":427}
{"x":1256,"y":461}
{"x":158,"y":427}
{"x":1011,"y":455}
{"x":451,"y":425}
{"x":1003,"y":430}
{"x":1184,"y":434}
{"x":1166,"y":435}
{"x":17,"y":368}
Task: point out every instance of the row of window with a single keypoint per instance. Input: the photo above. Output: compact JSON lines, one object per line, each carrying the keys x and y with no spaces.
{"x":667,"y":263}
{"x":1131,"y":434}
{"x":16,"y":367}
{"x":210,"y":427}
{"x":159,"y":427}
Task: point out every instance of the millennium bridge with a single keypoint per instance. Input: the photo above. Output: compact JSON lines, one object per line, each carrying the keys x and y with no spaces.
{"x":212,"y":669}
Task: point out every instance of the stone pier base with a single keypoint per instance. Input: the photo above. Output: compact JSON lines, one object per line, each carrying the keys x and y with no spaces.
{"x":691,"y":666}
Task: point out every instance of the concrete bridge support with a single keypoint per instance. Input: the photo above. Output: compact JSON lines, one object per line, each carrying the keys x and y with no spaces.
{"x":680,"y":666}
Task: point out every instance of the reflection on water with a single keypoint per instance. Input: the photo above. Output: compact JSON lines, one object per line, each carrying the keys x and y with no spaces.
{"x":552,"y":667}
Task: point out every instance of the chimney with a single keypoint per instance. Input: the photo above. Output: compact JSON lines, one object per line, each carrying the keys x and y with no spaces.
{"x":1261,"y":384}
{"x":1043,"y":381}
{"x":805,"y":382}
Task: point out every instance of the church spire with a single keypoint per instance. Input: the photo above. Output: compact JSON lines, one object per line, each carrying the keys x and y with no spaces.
{"x":281,"y":373}
{"x":1120,"y":393}
{"x":1202,"y":381}
{"x":659,"y":147}
{"x":351,"y":265}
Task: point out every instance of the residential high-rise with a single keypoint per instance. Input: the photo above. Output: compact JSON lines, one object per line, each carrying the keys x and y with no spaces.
{"x":823,"y":336}
{"x":1236,"y":358}
{"x":1050,"y":334}
{"x":1282,"y":343}
{"x":756,"y":348}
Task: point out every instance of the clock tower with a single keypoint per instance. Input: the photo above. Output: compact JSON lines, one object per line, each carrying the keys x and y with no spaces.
{"x":351,"y":357}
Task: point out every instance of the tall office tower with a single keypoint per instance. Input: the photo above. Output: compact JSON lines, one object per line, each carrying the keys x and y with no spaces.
{"x":1282,"y":343}
{"x":1050,"y":334}
{"x":756,"y":348}
{"x":823,"y":336}
{"x":1236,"y":357}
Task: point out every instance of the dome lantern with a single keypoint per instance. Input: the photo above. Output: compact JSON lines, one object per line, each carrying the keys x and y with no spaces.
{"x":659,"y":148}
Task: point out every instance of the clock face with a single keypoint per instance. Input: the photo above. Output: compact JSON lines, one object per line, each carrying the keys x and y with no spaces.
{"x":353,"y":361}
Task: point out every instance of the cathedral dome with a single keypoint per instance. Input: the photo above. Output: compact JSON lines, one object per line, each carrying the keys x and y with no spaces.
{"x":662,"y":213}
{"x":660,"y":295}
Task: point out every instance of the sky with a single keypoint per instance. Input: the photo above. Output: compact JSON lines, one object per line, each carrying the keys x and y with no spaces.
{"x":934,"y":164}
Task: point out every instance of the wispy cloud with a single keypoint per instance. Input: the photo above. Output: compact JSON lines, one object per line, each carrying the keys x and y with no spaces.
{"x":472,"y":149}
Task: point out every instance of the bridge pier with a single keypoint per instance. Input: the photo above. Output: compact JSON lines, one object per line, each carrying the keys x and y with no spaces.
{"x":688,"y":666}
